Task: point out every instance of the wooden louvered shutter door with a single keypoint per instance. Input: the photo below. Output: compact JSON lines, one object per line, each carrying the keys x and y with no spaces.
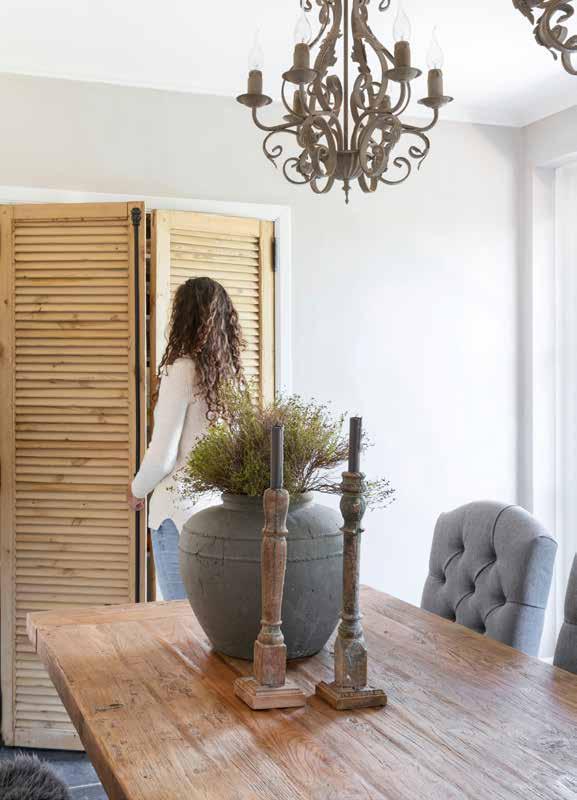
{"x":72,"y":431}
{"x":236,"y":252}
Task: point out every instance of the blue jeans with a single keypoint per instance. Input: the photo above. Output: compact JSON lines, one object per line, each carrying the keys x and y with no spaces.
{"x":167,"y":561}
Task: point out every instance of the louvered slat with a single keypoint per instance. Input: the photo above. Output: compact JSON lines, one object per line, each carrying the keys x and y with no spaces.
{"x":237,"y":253}
{"x":71,"y":537}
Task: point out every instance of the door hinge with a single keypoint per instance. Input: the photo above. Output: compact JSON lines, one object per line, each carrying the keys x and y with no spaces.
{"x":275,"y":255}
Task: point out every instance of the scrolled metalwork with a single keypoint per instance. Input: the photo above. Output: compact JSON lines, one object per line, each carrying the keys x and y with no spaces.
{"x":550,"y":30}
{"x":348,"y":128}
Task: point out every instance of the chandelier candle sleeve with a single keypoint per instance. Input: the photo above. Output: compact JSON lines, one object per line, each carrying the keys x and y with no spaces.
{"x":302,"y":56}
{"x":436,"y":83}
{"x":254,"y":82}
{"x":402,"y":54}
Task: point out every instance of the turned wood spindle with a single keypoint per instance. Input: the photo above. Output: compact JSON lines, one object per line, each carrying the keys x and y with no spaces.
{"x":349,"y":689}
{"x":268,"y":688}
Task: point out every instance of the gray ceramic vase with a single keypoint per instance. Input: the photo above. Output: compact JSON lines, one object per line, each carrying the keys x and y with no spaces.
{"x":220,"y":565}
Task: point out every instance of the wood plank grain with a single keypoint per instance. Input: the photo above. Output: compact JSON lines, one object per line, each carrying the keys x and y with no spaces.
{"x":468,"y":718}
{"x":73,"y":451}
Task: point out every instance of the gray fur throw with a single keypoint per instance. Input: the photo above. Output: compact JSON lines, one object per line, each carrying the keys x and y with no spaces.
{"x":28,"y":778}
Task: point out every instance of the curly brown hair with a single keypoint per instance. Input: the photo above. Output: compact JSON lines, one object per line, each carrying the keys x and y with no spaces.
{"x":204,"y":326}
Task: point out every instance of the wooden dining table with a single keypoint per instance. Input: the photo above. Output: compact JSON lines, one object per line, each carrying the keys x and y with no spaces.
{"x":154,"y":706}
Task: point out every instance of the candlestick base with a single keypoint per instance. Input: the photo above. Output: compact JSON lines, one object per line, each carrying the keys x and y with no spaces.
{"x":261,"y":698}
{"x":344,"y":698}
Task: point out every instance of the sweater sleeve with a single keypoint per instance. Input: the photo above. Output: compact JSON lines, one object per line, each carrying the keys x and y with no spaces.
{"x":174,"y":397}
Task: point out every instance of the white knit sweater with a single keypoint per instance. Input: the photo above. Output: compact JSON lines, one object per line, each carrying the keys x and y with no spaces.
{"x":179,"y":420}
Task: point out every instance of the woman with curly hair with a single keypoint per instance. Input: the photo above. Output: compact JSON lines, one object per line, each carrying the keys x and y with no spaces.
{"x":202,"y":356}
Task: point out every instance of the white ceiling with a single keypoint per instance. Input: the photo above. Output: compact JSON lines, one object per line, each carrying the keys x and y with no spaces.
{"x":494,"y":68}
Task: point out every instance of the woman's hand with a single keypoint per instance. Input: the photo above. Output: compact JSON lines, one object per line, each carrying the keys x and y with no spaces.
{"x":135,"y":503}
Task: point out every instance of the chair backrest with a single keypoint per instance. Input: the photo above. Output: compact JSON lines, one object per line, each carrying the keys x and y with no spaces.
{"x":490,"y":569}
{"x":566,"y":651}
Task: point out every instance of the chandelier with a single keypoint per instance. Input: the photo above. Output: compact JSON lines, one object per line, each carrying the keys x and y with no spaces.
{"x":550,"y":31}
{"x":347,"y":129}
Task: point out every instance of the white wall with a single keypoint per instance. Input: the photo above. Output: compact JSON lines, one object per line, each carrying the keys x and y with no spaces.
{"x":404,"y":304}
{"x":545,"y":488}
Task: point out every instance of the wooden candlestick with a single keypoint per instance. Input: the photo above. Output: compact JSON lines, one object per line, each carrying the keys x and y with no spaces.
{"x":268,"y":688}
{"x":349,"y":690}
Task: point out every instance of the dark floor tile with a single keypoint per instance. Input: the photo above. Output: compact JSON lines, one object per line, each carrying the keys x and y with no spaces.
{"x":74,"y":769}
{"x":89,"y":793}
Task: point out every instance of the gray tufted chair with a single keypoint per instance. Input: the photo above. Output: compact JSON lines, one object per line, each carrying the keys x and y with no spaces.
{"x":566,"y":651}
{"x":491,"y":568}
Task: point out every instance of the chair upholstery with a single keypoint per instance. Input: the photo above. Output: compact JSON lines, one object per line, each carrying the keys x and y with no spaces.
{"x":490,"y":569}
{"x":566,"y":651}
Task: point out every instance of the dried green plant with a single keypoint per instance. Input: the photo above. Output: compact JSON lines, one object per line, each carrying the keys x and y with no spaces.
{"x":234,"y":455}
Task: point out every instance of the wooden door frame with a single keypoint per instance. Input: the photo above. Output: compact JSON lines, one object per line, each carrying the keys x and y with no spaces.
{"x":280,"y":215}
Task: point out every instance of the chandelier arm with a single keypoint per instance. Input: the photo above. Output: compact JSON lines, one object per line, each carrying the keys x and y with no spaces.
{"x":294,"y":163}
{"x":376,"y":142}
{"x":566,"y":58}
{"x":324,"y":19}
{"x":273,"y":153}
{"x":364,"y":36}
{"x":404,"y":99}
{"x":384,"y":5}
{"x":346,"y":96}
{"x":327,"y":56}
{"x":285,"y":102}
{"x":287,"y":126}
{"x":323,"y":156}
{"x":417,"y":153}
{"x":416,"y":129}
{"x":326,"y":188}
{"x":399,"y":162}
{"x":304,"y":98}
{"x":552,"y":34}
{"x":368,"y":187}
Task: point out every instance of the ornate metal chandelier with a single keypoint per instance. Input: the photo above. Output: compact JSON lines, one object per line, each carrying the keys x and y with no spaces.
{"x":351,"y":129}
{"x":550,"y":31}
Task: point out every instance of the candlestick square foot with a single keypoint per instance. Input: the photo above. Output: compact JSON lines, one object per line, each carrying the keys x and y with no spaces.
{"x":260,"y":698}
{"x":344,"y":698}
{"x":270,"y":663}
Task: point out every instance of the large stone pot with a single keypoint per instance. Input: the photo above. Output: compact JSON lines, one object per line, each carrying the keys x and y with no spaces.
{"x":220,"y":565}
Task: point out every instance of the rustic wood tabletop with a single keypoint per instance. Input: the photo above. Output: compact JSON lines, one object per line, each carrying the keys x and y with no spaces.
{"x":155,"y":709}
